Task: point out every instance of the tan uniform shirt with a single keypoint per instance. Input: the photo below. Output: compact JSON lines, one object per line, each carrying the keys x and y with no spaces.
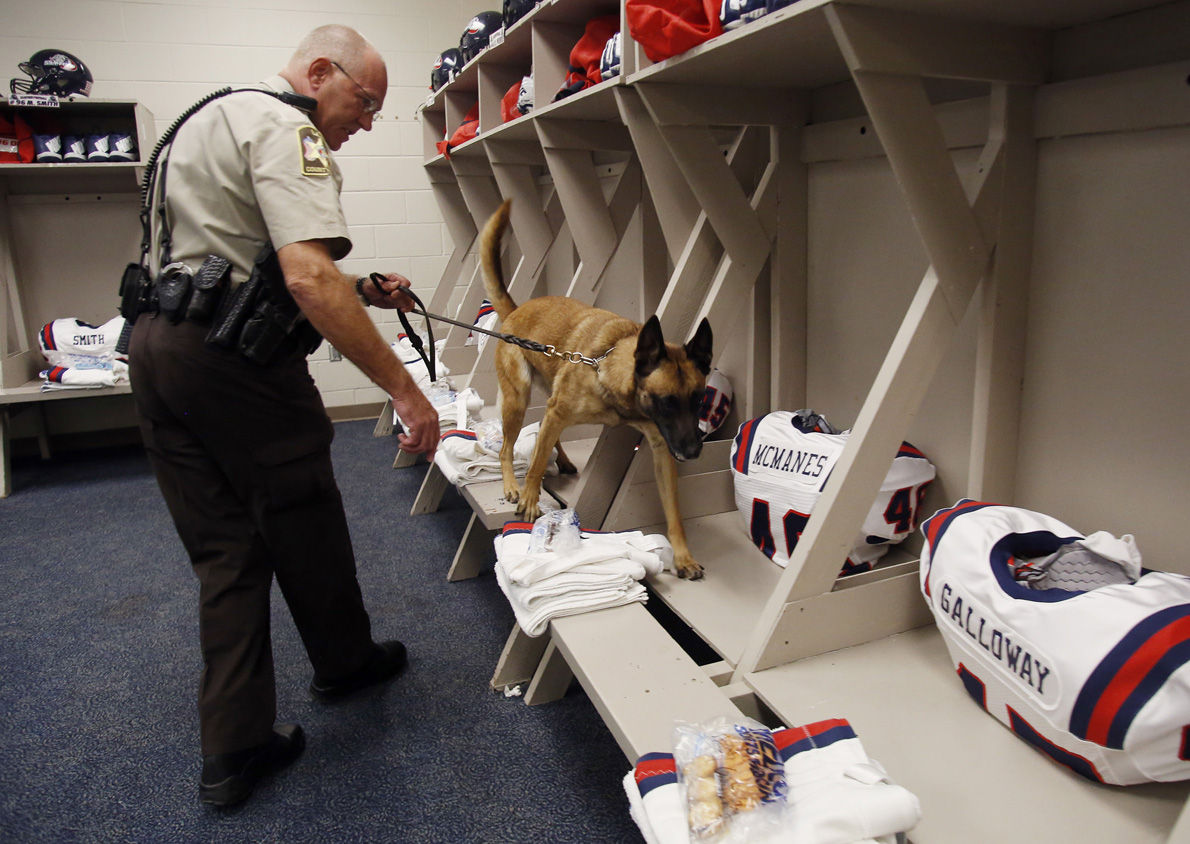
{"x":247,"y":169}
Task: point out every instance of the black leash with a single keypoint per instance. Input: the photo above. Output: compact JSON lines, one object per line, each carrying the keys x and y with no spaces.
{"x":414,"y":337}
{"x":416,"y":341}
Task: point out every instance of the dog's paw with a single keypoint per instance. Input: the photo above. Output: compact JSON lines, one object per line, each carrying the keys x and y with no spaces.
{"x":512,"y":494}
{"x":565,"y":467}
{"x":687,"y":569}
{"x":527,"y":510}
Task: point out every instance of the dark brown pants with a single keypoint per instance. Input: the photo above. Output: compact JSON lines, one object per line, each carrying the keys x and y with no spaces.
{"x":242,"y":455}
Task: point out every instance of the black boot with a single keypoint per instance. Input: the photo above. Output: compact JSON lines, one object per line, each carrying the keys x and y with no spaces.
{"x":385,"y":664}
{"x":228,"y":778}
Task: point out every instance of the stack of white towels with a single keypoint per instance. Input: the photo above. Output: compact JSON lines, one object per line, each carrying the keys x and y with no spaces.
{"x":598,"y":571}
{"x":82,"y":356}
{"x":468,"y":455}
{"x":469,"y":449}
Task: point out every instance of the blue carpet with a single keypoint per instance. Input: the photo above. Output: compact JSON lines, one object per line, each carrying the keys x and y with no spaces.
{"x":99,"y":666}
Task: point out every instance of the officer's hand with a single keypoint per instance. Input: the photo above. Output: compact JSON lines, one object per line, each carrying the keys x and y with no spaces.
{"x":421,"y":423}
{"x":393,"y":295}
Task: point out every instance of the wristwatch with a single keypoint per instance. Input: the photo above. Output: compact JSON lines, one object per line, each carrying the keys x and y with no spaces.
{"x":359,"y":290}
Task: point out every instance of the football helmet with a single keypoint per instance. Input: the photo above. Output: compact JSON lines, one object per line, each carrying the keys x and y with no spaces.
{"x":53,"y":72}
{"x":446,"y":67}
{"x":514,"y":10}
{"x":609,"y":61}
{"x":809,"y":422}
{"x":733,"y":13}
{"x":716,"y":403}
{"x":477,"y":34}
{"x":524,"y":100}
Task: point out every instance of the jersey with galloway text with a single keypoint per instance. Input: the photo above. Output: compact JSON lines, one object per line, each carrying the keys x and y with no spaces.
{"x":779,"y":471}
{"x":1097,"y":680}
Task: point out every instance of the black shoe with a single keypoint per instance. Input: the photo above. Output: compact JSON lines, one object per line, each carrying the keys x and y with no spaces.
{"x":387,"y":663}
{"x":228,"y":778}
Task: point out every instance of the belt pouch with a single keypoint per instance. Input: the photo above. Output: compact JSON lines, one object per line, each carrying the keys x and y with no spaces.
{"x":134,"y":292}
{"x":207,"y":287}
{"x":173,"y":292}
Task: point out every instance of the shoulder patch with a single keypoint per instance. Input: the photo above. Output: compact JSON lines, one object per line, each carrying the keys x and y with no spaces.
{"x":315,"y":159}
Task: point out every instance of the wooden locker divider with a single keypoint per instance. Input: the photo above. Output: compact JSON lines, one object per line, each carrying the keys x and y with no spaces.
{"x":959,"y":241}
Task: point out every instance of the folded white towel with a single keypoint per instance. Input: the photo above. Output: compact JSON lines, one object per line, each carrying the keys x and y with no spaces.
{"x":463,"y":461}
{"x":653,"y":786}
{"x":534,"y":621}
{"x":603,"y":571}
{"x":837,"y":794}
{"x":636,"y":808}
{"x":630,"y":552}
{"x":571,"y":586}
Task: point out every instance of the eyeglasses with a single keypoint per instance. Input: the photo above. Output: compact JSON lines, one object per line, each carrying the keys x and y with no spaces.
{"x":371,"y":104}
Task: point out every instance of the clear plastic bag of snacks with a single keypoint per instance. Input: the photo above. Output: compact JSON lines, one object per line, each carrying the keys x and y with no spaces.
{"x":731,"y":778}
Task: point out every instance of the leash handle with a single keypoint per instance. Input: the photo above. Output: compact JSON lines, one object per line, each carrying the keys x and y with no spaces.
{"x":414,"y":338}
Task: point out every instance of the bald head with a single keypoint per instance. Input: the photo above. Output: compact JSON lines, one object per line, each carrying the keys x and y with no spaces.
{"x":344,"y":74}
{"x":338,"y":43}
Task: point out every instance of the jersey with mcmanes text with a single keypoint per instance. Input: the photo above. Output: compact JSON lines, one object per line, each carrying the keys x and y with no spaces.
{"x":1096,"y":677}
{"x":779,"y":471}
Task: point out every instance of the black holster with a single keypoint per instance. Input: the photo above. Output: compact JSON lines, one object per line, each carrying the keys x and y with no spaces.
{"x":260,"y":317}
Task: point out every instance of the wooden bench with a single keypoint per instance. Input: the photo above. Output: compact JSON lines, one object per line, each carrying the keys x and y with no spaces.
{"x":976,"y":781}
{"x":634,"y":673}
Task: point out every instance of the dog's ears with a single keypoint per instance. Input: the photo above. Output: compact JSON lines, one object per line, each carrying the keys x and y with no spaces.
{"x":699,"y":347}
{"x":650,"y":347}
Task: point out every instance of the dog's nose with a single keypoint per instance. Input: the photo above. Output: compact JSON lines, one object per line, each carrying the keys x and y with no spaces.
{"x":692,"y":450}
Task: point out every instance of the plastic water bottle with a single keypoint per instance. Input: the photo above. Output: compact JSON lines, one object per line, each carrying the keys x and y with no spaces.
{"x":440,"y":392}
{"x":555,"y":531}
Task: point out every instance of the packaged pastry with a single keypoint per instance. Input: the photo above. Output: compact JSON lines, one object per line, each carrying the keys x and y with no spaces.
{"x":699,"y":777}
{"x":731,"y":778}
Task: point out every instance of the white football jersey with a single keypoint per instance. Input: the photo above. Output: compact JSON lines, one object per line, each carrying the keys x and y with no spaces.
{"x":64,"y":341}
{"x":779,"y":471}
{"x":1098,"y":680}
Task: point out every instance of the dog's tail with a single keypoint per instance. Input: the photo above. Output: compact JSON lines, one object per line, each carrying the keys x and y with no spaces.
{"x":493,"y":272}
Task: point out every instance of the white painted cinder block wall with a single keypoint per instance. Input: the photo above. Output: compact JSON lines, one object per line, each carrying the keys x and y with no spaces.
{"x":166,"y":54}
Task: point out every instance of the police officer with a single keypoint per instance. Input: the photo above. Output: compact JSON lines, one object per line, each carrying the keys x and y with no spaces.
{"x":241,"y":450}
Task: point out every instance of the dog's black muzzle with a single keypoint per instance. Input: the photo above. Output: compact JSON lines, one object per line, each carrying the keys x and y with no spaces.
{"x":683,"y":446}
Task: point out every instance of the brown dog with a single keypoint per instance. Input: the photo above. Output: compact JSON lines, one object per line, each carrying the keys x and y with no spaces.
{"x":640,"y":380}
